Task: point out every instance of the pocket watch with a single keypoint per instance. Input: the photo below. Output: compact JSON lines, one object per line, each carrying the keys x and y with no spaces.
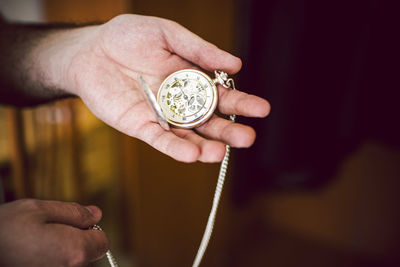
{"x":186,"y":98}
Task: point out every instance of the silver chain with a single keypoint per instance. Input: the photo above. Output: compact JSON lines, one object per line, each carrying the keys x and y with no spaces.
{"x":110,"y":257}
{"x":221,"y":78}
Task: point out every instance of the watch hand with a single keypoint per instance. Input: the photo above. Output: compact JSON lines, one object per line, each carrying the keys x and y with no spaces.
{"x":183,"y":92}
{"x":190,"y":102}
{"x":178,"y":95}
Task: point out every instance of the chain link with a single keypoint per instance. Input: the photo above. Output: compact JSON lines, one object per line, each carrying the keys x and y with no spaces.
{"x":110,"y":257}
{"x":222,"y":78}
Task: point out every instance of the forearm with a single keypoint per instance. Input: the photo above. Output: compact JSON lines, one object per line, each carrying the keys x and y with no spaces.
{"x":35,"y":61}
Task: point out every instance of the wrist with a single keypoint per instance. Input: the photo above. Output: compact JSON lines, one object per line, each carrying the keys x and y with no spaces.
{"x":52,"y":60}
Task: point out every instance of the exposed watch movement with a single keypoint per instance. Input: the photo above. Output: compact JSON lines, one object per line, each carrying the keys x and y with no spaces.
{"x":187,"y":98}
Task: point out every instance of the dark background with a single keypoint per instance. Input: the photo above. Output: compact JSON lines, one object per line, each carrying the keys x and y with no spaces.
{"x":331,"y":72}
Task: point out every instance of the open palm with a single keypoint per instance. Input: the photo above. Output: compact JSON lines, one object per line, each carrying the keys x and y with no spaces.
{"x":106,"y":70}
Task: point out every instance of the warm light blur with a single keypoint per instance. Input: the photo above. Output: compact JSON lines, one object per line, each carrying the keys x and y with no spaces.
{"x":155,"y":209}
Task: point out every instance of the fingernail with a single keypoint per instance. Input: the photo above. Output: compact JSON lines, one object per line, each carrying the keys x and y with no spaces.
{"x":93,"y":210}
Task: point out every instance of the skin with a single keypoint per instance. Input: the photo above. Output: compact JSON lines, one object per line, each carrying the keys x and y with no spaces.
{"x":49,"y":233}
{"x":101,"y":64}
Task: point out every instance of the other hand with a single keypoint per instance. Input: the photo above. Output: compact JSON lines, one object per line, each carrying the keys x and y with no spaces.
{"x":49,"y":233}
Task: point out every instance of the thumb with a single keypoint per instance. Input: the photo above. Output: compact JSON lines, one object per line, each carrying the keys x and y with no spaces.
{"x":70,"y":213}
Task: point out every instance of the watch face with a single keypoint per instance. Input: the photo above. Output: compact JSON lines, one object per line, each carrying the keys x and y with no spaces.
{"x":188,"y":98}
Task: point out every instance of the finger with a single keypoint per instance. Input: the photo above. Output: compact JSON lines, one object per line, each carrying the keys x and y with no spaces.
{"x":168,"y":143}
{"x":233,"y":134}
{"x":96,"y":244}
{"x":200,"y":52}
{"x":240,"y":103}
{"x":70,"y":213}
{"x":78,"y":247}
{"x":210,"y":151}
{"x":175,"y":63}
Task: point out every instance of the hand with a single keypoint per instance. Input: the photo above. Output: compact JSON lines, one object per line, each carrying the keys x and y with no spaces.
{"x":105,"y":70}
{"x":49,"y":233}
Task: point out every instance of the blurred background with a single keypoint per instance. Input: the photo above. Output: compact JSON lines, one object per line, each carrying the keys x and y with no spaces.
{"x":318,"y":188}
